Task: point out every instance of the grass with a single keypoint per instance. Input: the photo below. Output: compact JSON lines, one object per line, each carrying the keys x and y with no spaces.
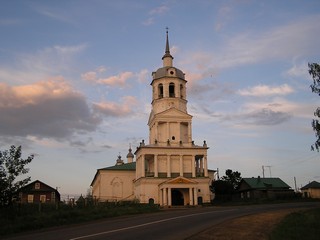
{"x":26,"y":217}
{"x":298,"y":225}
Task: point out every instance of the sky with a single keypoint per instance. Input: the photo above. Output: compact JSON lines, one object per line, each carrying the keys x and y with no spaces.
{"x":75,"y":83}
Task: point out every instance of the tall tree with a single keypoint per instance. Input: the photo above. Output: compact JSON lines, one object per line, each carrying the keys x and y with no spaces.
{"x":314,"y":71}
{"x":12,"y":166}
{"x":233,"y":178}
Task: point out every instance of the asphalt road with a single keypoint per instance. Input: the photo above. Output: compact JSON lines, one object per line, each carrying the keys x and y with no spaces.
{"x":168,"y":224}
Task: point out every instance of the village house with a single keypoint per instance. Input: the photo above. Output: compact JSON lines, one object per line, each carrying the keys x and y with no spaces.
{"x":264,"y":188}
{"x":171,"y":169}
{"x":311,"y":190}
{"x":38,"y":192}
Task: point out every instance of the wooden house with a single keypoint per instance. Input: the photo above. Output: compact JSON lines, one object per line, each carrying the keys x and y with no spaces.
{"x":264,"y":188}
{"x":311,"y":190}
{"x":38,"y":192}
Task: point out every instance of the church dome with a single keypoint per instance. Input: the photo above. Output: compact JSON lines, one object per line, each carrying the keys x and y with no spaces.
{"x":168,"y":72}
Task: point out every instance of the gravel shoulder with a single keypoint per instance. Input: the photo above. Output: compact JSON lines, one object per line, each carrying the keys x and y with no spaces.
{"x":250,"y":227}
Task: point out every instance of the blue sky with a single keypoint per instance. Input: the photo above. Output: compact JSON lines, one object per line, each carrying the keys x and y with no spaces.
{"x":75,"y":83}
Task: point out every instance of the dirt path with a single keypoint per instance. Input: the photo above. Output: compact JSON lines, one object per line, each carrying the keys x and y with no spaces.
{"x":251,"y":227}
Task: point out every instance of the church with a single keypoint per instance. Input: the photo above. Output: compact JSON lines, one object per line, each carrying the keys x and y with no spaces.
{"x":170,"y":170}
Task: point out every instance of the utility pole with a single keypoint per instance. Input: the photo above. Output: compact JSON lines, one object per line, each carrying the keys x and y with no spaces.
{"x":263,"y":170}
{"x":295,"y":183}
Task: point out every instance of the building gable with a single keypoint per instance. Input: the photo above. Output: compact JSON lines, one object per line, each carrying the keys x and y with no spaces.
{"x":313,"y":184}
{"x":173,"y":113}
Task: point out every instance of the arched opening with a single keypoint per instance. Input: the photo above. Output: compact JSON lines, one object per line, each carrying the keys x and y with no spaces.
{"x":160,"y":90}
{"x":200,"y":201}
{"x":177,"y":198}
{"x":151,"y":201}
{"x":181,"y":91}
{"x":171,"y":90}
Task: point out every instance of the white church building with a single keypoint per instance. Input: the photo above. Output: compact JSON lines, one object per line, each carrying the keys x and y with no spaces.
{"x":171,"y":170}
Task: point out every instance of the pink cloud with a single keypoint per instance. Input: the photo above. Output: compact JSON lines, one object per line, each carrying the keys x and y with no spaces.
{"x":113,"y":109}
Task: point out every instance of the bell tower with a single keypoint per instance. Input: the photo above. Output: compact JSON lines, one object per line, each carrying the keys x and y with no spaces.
{"x":169,"y":121}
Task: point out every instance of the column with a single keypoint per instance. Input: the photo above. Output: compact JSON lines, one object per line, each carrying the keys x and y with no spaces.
{"x":179,"y":138}
{"x":155,"y":165}
{"x":193,"y":168}
{"x":189,"y":132}
{"x":137,"y":167}
{"x":168,"y":166}
{"x":143,"y":166}
{"x":156,"y":132}
{"x":161,"y":197}
{"x":205,"y":166}
{"x":181,"y":165}
{"x":201,"y":166}
{"x":195,"y":196}
{"x":165,"y":197}
{"x":169,"y":197}
{"x":190,"y":197}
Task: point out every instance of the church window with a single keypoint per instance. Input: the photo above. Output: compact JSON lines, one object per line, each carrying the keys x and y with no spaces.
{"x":181,"y":90}
{"x":160,"y":90}
{"x":171,"y":90}
{"x":173,"y":138}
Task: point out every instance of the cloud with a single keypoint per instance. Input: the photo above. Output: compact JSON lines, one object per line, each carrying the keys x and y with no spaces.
{"x":10,"y":22}
{"x":46,"y":109}
{"x":223,"y":17}
{"x":159,"y":10}
{"x":155,"y":12}
{"x":264,"y":117}
{"x":264,"y":90}
{"x":113,"y":109}
{"x":44,"y":63}
{"x":298,"y":71}
{"x":117,"y":80}
{"x":120,"y":80}
{"x":143,"y":76}
{"x":298,"y":38}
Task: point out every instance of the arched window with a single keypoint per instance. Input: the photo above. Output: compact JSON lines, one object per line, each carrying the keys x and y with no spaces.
{"x":171,"y":90}
{"x":160,"y":90}
{"x":181,"y":91}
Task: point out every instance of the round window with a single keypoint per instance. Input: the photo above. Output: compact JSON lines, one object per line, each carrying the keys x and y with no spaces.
{"x":171,"y":72}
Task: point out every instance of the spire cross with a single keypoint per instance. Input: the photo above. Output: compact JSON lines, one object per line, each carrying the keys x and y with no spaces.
{"x":167,"y":29}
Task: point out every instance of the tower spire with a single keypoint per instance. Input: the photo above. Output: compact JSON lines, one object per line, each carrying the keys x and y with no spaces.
{"x":167,"y":58}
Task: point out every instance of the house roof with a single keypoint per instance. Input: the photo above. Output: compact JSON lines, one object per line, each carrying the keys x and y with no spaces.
{"x":262,"y":183}
{"x":29,"y":187}
{"x":123,"y":167}
{"x":312,"y":184}
{"x":126,"y":166}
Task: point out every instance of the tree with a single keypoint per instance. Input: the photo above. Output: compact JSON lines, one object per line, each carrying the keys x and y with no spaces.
{"x":226,"y":186}
{"x":233,"y":178}
{"x":12,"y":166}
{"x":223,"y":190}
{"x":314,"y":71}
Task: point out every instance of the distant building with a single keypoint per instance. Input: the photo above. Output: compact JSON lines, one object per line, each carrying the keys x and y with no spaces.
{"x":311,"y":190}
{"x":38,"y":192}
{"x":171,"y":169}
{"x":264,"y":188}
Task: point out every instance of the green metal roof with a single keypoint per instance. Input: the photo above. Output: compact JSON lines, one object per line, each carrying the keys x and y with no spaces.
{"x":313,"y":184}
{"x":262,"y":183}
{"x":125,"y":166}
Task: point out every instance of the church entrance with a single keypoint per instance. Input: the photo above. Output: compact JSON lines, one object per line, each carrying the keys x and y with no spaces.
{"x":177,"y":198}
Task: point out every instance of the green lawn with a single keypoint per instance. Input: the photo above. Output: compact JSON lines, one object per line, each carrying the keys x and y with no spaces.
{"x":27,"y":217}
{"x":299,"y":225}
